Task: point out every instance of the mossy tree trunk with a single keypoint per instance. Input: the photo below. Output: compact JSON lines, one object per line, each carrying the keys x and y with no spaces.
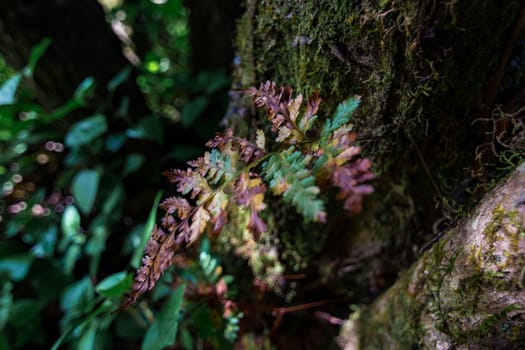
{"x":466,"y":292}
{"x":442,"y":87}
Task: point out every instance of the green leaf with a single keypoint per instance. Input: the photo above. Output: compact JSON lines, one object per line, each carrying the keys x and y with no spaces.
{"x":289,"y":175}
{"x":163,"y":331}
{"x":133,"y":162}
{"x":77,"y":295}
{"x":119,"y":78}
{"x":113,"y":198}
{"x":114,"y":142}
{"x":217,"y":80}
{"x":87,"y":339}
{"x":70,"y":226}
{"x":148,"y":227}
{"x":16,"y":266}
{"x":186,"y":339}
{"x":35,"y":55}
{"x":71,"y":257}
{"x":87,"y":321}
{"x":6,"y":301}
{"x":84,"y":188}
{"x":61,"y":111}
{"x":115,"y":285}
{"x":8,"y":90}
{"x":149,"y":128}
{"x":86,"y":130}
{"x":96,"y":243}
{"x":342,"y":116}
{"x":45,"y":247}
{"x":85,"y":89}
{"x":192,"y":110}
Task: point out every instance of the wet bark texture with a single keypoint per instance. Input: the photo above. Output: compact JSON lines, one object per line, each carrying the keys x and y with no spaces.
{"x":466,"y":292}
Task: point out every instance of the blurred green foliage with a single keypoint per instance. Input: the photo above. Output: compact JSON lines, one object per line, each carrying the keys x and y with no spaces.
{"x":70,"y":234}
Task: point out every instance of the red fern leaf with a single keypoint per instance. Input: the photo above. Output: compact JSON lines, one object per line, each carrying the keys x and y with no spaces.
{"x":248,"y":151}
{"x":177,"y":205}
{"x":157,"y":258}
{"x":350,"y":180}
{"x":275,"y":103}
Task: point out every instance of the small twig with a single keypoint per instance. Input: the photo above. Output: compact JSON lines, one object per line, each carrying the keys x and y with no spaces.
{"x":437,"y":234}
{"x":299,"y":276}
{"x":329,"y":318}
{"x":281,"y":311}
{"x":288,"y":309}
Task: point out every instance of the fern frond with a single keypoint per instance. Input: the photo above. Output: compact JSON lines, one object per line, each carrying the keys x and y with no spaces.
{"x":228,"y":182}
{"x":217,"y":207}
{"x":248,"y":151}
{"x":177,"y":205}
{"x":157,"y":258}
{"x":310,"y":117}
{"x":188,"y":181}
{"x":249,"y":192}
{"x":199,"y":220}
{"x":274,"y":102}
{"x":341,"y":117}
{"x":288,"y":174}
{"x":282,"y":110}
{"x":350,"y":179}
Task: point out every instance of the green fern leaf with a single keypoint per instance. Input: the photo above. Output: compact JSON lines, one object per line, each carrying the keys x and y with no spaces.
{"x":288,"y":174}
{"x":341,"y":117}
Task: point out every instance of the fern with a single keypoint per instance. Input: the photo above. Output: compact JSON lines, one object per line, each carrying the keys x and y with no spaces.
{"x":341,"y":117}
{"x":232,"y":179}
{"x":289,"y":175}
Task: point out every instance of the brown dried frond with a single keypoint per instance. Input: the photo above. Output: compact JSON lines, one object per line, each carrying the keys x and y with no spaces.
{"x":157,"y":258}
{"x":274,"y":102}
{"x":177,"y":205}
{"x":248,"y":151}
{"x":188,"y":180}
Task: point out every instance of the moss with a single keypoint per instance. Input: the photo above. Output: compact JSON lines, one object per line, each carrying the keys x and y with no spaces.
{"x":493,"y":227}
{"x":493,"y":328}
{"x":244,"y":74}
{"x":514,"y":229}
{"x":460,"y":307}
{"x":397,"y":324}
{"x":402,"y":58}
{"x":420,"y":68}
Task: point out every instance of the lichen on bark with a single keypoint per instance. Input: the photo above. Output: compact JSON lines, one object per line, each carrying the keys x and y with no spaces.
{"x":465,"y":292}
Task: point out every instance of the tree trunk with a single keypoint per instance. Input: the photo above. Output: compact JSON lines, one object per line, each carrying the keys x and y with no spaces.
{"x":466,"y":292}
{"x":211,"y":34}
{"x":437,"y":88}
{"x":82,"y":45}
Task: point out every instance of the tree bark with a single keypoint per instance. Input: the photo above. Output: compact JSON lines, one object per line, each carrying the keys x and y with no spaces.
{"x":427,"y":73}
{"x":466,"y":292}
{"x":82,"y":45}
{"x":211,"y":35}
